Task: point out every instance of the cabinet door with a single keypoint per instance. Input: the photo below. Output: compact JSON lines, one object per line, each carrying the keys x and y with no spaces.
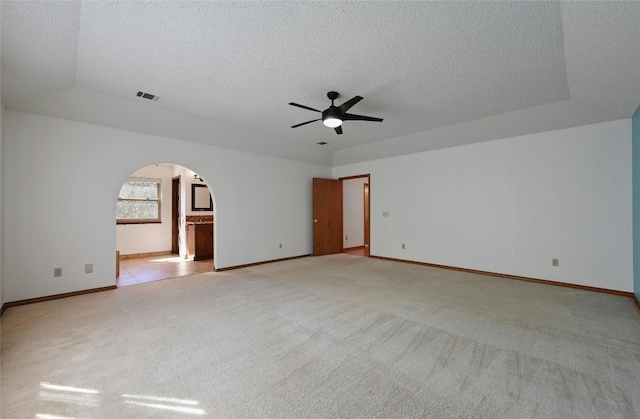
{"x":204,"y":241}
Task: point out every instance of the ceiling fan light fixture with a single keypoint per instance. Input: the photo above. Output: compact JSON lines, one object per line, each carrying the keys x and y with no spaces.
{"x":332,"y":122}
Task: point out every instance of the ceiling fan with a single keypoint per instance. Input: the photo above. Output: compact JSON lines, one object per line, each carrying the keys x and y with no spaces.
{"x":333,"y":116}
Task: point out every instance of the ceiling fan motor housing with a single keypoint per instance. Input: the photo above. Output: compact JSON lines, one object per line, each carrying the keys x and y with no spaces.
{"x":332,"y":112}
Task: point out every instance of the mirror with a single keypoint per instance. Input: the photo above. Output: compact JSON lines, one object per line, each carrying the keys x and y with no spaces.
{"x":201,"y":198}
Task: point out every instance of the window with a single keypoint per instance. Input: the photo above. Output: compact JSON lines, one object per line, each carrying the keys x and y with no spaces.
{"x":139,"y":202}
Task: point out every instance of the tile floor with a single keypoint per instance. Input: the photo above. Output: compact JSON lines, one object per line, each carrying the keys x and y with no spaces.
{"x":140,"y":270}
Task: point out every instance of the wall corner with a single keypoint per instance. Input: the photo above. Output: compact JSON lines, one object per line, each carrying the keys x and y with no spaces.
{"x":635,"y":141}
{"x":2,"y":177}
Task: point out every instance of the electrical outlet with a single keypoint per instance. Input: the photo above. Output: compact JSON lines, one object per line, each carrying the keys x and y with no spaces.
{"x":88,"y":268}
{"x":280,"y":245}
{"x":57,"y":272}
{"x":403,"y":246}
{"x":555,"y":262}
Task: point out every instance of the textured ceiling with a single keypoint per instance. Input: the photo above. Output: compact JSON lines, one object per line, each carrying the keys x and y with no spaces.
{"x":439,"y":73}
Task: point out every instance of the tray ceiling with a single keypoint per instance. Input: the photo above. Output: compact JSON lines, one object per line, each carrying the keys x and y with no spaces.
{"x":440,"y":73}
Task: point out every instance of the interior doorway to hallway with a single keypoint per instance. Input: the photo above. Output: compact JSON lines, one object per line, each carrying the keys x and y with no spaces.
{"x":356,"y":214}
{"x":330,"y":232}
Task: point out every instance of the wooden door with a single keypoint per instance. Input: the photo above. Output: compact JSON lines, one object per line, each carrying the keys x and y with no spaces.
{"x":175,"y":215}
{"x":327,"y":216}
{"x":367,"y":224}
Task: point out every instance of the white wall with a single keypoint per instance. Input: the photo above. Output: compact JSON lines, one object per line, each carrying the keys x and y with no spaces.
{"x":144,"y":238}
{"x":62,"y":214}
{"x":510,"y":206}
{"x":353,"y":212}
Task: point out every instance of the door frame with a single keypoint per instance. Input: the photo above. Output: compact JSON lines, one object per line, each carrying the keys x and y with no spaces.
{"x":367,"y":219}
{"x":175,"y":214}
{"x":367,"y":211}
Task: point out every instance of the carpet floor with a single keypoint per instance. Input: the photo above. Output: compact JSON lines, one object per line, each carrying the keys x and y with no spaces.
{"x":326,"y":337}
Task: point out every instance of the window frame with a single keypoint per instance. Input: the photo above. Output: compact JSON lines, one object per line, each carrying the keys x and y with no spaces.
{"x":159,"y":201}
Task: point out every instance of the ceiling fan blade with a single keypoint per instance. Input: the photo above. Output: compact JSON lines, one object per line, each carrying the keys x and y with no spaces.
{"x":304,"y":123}
{"x":304,"y":107}
{"x":349,"y":103}
{"x":352,"y":117}
{"x":338,"y":130}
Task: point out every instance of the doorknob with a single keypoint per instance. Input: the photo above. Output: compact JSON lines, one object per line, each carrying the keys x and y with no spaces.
{"x":315,"y":221}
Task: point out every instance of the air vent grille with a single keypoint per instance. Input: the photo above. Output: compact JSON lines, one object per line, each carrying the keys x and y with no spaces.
{"x":149,"y":96}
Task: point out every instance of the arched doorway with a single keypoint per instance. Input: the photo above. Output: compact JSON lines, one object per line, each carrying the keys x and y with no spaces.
{"x":163,"y":211}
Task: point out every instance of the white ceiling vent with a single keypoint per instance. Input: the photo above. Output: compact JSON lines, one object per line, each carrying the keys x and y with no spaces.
{"x":149,"y":96}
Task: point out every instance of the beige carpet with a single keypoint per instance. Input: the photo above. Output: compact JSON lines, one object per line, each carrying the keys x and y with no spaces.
{"x":331,"y":337}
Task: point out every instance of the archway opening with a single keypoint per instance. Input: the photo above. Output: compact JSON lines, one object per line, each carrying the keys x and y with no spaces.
{"x":164,"y":225}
